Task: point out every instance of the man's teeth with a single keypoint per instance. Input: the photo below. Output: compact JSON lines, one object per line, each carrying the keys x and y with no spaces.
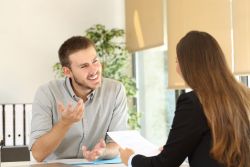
{"x":93,"y":77}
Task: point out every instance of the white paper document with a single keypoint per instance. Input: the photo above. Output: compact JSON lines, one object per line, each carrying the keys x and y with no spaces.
{"x":133,"y":140}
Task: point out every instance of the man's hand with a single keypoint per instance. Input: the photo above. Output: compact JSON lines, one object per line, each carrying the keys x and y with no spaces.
{"x":47,"y":143}
{"x":97,"y":152}
{"x":125,"y":154}
{"x":69,"y":114}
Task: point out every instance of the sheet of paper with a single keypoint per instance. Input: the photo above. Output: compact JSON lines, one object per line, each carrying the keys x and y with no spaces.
{"x":132,"y":139}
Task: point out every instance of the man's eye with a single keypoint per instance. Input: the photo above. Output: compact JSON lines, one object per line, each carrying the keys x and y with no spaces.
{"x":95,"y":61}
{"x":83,"y":66}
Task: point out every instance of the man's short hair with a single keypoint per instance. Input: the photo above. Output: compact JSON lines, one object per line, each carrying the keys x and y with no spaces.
{"x":72,"y":45}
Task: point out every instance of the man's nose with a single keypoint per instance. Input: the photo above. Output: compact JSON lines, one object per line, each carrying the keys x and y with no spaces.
{"x":93,"y":69}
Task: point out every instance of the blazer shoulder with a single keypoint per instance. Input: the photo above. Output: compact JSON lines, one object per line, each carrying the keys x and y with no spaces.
{"x":191,"y":97}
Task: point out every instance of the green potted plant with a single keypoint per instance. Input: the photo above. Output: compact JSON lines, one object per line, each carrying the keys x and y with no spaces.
{"x":110,"y":47}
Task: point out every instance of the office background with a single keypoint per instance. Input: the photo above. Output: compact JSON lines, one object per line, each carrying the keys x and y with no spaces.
{"x":32,"y":31}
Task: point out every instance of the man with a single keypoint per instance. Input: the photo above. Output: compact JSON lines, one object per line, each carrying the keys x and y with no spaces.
{"x":70,"y":117}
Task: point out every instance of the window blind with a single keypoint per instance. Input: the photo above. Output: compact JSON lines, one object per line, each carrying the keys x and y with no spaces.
{"x":144,"y":24}
{"x":212,"y":16}
{"x":241,"y":36}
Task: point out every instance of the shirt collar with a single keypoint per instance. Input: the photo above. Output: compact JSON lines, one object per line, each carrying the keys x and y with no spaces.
{"x":91,"y":95}
{"x":72,"y":93}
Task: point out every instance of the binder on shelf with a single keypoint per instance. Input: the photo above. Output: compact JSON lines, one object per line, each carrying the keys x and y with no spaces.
{"x":28,"y":115}
{"x":19,"y":124}
{"x":9,"y":125}
{"x":1,"y":124}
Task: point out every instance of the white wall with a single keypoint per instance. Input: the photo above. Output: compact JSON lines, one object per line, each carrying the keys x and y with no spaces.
{"x":31,"y":31}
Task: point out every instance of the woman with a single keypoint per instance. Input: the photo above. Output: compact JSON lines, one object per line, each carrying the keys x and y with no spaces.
{"x":212,"y":123}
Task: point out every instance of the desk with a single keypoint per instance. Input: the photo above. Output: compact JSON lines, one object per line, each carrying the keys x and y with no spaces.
{"x":20,"y":163}
{"x":23,"y":163}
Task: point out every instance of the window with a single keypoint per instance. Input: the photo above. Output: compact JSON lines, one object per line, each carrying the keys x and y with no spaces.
{"x":154,"y":100}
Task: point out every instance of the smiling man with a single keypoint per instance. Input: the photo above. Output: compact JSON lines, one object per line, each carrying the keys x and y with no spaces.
{"x":70,"y":117}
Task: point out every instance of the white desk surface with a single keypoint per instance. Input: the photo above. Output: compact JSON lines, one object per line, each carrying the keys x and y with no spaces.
{"x":22,"y":163}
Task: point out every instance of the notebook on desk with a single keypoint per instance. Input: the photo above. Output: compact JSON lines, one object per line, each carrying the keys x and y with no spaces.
{"x":81,"y":161}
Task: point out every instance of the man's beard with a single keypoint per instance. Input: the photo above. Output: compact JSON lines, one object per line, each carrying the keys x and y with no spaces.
{"x":83,"y":84}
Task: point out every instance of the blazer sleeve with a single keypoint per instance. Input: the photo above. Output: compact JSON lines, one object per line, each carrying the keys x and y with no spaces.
{"x":188,"y":126}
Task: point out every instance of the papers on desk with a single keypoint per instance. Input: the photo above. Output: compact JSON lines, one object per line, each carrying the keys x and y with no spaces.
{"x":132,"y":139}
{"x":116,"y":160}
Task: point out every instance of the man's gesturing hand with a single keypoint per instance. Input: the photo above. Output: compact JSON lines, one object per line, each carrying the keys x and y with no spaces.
{"x":70,"y":114}
{"x":97,"y":152}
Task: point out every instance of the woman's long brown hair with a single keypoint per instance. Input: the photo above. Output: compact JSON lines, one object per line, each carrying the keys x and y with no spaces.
{"x":225,"y":101}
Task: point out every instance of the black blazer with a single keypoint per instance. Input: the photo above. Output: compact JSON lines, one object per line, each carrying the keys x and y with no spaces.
{"x":189,"y":137}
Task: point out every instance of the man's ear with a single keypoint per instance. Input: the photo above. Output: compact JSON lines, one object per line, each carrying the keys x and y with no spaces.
{"x":66,"y":71}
